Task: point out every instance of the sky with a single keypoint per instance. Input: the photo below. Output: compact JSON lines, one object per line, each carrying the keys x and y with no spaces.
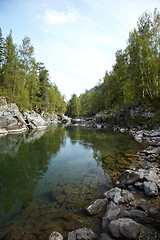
{"x":75,"y":39}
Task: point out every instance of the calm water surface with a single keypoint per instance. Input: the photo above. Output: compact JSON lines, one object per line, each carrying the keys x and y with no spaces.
{"x":47,"y":178}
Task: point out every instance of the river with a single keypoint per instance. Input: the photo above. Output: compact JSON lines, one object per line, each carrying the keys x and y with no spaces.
{"x":49,"y":177}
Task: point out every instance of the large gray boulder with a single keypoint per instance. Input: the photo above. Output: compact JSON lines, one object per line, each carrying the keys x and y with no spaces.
{"x":150,"y":189}
{"x":34,"y":120}
{"x":11,"y":120}
{"x":124,"y":228}
{"x":82,"y":234}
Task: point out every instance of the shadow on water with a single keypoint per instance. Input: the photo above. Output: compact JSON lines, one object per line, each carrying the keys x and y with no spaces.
{"x":47,"y":178}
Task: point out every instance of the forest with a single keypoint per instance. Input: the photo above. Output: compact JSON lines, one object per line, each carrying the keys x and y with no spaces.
{"x":134,"y":78}
{"x":25,"y":81}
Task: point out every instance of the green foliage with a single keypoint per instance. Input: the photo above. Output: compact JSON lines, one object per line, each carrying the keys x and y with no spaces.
{"x":138,"y":120}
{"x":135,"y":77}
{"x":25,"y":81}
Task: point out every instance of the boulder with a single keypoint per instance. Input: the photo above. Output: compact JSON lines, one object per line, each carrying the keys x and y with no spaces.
{"x":124,"y":176}
{"x":150,"y":189}
{"x":111,"y":213}
{"x":11,"y":120}
{"x":143,"y":206}
{"x":134,"y":214}
{"x":118,"y":195}
{"x":124,"y":228}
{"x":104,"y":236}
{"x":55,"y":236}
{"x":145,"y":165}
{"x":82,"y":234}
{"x":34,"y":120}
{"x":138,"y":136}
{"x":98,"y":206}
{"x":126,"y":196}
{"x":151,"y":175}
{"x":152,"y":150}
{"x":132,"y":178}
{"x":155,"y":134}
{"x":113,"y":194}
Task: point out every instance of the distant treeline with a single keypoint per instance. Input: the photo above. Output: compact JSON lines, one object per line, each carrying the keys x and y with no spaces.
{"x":25,"y":81}
{"x":135,"y":76}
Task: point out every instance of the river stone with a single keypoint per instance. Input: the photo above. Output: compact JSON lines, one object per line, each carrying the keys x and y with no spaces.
{"x":113,"y":194}
{"x":152,"y":150}
{"x":124,"y":228}
{"x":151,"y":176}
{"x":145,"y":165}
{"x":133,"y":177}
{"x":104,"y":236}
{"x":98,"y":206}
{"x":111,"y":213}
{"x":155,"y":134}
{"x":150,"y":189}
{"x":119,"y":196}
{"x":139,"y":185}
{"x":126,"y":196}
{"x":82,"y":234}
{"x":55,"y":236}
{"x":134,"y":214}
{"x":124,"y":176}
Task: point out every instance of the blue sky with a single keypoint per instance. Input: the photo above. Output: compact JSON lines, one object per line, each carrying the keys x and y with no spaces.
{"x":75,"y":39}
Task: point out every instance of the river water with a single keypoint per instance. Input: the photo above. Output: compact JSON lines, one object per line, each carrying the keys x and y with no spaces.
{"x":49,"y":177}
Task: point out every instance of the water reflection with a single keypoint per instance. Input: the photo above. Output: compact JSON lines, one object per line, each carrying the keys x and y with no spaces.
{"x":22,"y":165}
{"x":48,"y":177}
{"x":112,"y":150}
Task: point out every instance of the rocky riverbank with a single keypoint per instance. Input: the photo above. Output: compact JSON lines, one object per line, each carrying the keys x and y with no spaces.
{"x":13,"y":121}
{"x":131,"y":209}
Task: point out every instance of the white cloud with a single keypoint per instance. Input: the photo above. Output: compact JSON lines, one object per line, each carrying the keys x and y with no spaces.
{"x":57,"y":17}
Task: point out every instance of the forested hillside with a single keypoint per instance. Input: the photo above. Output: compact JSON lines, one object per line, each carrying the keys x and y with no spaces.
{"x":135,"y":76}
{"x":25,"y":81}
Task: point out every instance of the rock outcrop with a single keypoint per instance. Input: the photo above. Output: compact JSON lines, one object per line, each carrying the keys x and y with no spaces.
{"x":34,"y":120}
{"x":11,"y":120}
